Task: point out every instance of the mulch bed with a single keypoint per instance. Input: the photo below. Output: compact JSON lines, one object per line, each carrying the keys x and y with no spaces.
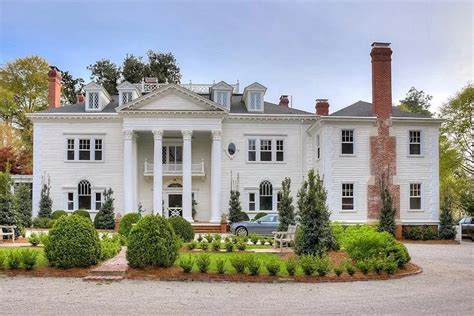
{"x":49,"y":272}
{"x":433,"y":242}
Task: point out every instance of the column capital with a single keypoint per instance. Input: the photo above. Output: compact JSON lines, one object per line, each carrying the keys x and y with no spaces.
{"x":157,"y":134}
{"x":128,"y":134}
{"x":216,"y":135}
{"x":187,"y":133}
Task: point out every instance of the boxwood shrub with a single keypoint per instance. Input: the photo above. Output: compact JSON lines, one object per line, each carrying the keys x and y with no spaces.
{"x":58,"y":213}
{"x":82,"y":213}
{"x":126,"y":223}
{"x":73,"y":242}
{"x":152,"y":242}
{"x":41,"y":222}
{"x":182,"y":228}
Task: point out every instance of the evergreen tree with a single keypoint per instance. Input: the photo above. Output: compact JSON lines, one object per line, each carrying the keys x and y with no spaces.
{"x":447,"y":230}
{"x":45,"y":203}
{"x":23,"y":205}
{"x":315,"y":234}
{"x":286,"y":210}
{"x":387,"y":213}
{"x":301,"y":197}
{"x":105,"y":218}
{"x":7,"y":211}
{"x":235,"y":209}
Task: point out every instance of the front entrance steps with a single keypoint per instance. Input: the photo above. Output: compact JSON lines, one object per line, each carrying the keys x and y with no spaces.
{"x":113,"y":269}
{"x":203,"y":228}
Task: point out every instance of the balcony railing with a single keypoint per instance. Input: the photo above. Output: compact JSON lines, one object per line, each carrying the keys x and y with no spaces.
{"x":150,"y":84}
{"x":197,"y":169}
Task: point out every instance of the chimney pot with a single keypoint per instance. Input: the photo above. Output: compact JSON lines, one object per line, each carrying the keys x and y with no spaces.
{"x":322,"y":107}
{"x":54,"y":87}
{"x":284,"y":101}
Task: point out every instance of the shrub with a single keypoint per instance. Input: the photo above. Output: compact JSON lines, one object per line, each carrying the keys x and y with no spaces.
{"x":253,"y":265}
{"x":399,"y":252}
{"x":203,"y":261}
{"x":182,"y":228}
{"x":387,"y":212}
{"x":127,"y":222}
{"x":82,"y":213}
{"x":199,"y":239}
{"x":41,"y":222}
{"x":322,"y":265}
{"x":152,"y":242}
{"x":29,"y":258}
{"x":23,"y":205}
{"x":105,"y":218}
{"x":204,"y":245}
{"x":350,"y":269}
{"x":229,"y":246}
{"x":217,"y":237}
{"x":391,"y":265}
{"x":2,"y":258}
{"x":51,"y":223}
{"x":44,"y":239}
{"x":263,"y":241}
{"x":45,"y":202}
{"x":429,"y":233}
{"x":34,"y":239}
{"x":307,"y":264}
{"x":447,"y":230}
{"x":109,"y":247}
{"x":220,"y":264}
{"x":192,"y":245}
{"x":186,"y":263}
{"x":338,"y":270}
{"x":286,"y":210}
{"x":58,"y":213}
{"x":241,"y":246}
{"x":209,"y":238}
{"x":338,"y":232}
{"x":259,"y":215}
{"x":239,"y":263}
{"x":14,"y":259}
{"x":253,"y":238}
{"x":216,"y":245}
{"x":273,"y":266}
{"x":270,"y":241}
{"x":378,"y":265}
{"x":235,"y":209}
{"x":363,"y":266}
{"x":72,"y":242}
{"x":291,"y":264}
{"x":415,"y":233}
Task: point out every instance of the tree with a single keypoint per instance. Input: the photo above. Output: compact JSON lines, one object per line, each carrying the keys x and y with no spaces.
{"x":234,"y":206}
{"x":467,"y":200}
{"x":314,"y":235}
{"x":105,"y":218}
{"x":7,"y":211}
{"x":134,"y":69}
{"x":387,"y":212}
{"x":447,"y":230}
{"x":159,"y":65}
{"x":17,"y":162}
{"x":23,"y":205}
{"x":105,"y":73}
{"x":70,"y":87}
{"x":45,"y":203}
{"x":23,"y":89}
{"x":416,"y":102}
{"x":286,"y":210}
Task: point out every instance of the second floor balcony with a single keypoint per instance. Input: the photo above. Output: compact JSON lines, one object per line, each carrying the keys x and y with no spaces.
{"x":176,"y":169}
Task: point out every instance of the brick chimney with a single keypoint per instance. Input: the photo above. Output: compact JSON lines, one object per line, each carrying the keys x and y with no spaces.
{"x":322,"y":107}
{"x":54,"y":87}
{"x":284,"y":101}
{"x":382,"y":84}
{"x":80,"y":98}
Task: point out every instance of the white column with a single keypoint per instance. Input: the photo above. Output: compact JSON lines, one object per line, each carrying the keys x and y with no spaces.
{"x":128,"y":170}
{"x":216,"y":177}
{"x":158,"y":172}
{"x":187,"y":175}
{"x":135,"y":171}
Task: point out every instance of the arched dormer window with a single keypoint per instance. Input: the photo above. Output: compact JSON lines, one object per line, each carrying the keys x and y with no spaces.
{"x":84,"y":195}
{"x":266,"y":196}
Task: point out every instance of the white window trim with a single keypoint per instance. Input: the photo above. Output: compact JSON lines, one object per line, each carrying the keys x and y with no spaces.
{"x":353,"y":142}
{"x":88,"y":96}
{"x":420,"y":210}
{"x":121,"y":96}
{"x":259,"y":107}
{"x":257,"y":149}
{"x":421,"y":155}
{"x":318,"y":147}
{"x":256,"y":191}
{"x":73,"y":189}
{"x":354,"y":197}
{"x":76,"y":148}
{"x":227,"y":96}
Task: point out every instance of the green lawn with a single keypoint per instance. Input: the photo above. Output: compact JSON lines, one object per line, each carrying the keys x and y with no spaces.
{"x":4,"y":251}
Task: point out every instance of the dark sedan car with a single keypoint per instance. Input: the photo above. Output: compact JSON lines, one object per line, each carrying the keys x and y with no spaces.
{"x":467,"y":227}
{"x":263,"y":226}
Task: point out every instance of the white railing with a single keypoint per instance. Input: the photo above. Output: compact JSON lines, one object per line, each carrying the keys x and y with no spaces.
{"x":175,"y":211}
{"x":175,"y":169}
{"x":148,"y":86}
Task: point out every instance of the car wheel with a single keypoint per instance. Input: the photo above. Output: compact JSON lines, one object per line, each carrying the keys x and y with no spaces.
{"x":241,"y":231}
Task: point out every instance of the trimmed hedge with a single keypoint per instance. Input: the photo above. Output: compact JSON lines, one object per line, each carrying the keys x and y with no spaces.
{"x":126,"y":223}
{"x":182,"y":228}
{"x":58,"y":213}
{"x":82,"y":213}
{"x":41,"y":222}
{"x":73,"y":242}
{"x":152,"y":243}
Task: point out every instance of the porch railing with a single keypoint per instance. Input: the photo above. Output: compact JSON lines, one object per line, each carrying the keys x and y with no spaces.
{"x":175,"y":211}
{"x":175,"y":169}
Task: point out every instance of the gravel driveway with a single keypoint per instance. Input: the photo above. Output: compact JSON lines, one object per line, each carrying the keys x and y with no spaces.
{"x":445,"y":287}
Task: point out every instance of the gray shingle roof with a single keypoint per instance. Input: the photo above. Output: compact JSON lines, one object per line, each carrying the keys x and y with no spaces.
{"x":364,"y":109}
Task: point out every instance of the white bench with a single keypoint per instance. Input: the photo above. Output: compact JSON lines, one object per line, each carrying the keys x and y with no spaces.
{"x":284,"y":237}
{"x":10,"y":231}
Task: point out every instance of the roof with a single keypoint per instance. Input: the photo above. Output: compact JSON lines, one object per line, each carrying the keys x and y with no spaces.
{"x":364,"y":109}
{"x":237,"y":106}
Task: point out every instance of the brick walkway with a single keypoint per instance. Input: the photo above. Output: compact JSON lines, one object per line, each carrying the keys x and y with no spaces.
{"x":111,"y":270}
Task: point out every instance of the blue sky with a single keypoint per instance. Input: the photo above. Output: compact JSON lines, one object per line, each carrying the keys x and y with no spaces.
{"x":307,"y":49}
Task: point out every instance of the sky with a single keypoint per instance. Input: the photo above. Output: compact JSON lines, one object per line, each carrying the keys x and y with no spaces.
{"x":306,"y":49}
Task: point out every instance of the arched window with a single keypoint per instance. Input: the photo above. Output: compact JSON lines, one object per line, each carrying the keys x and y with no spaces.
{"x":175,"y":185}
{"x":84,"y":195}
{"x":266,"y":196}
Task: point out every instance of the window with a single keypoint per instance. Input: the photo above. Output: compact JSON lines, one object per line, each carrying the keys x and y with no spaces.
{"x":266,"y":150}
{"x":252,"y":150}
{"x":126,"y":97}
{"x":84,"y":149}
{"x":347,"y":142}
{"x":222,"y":98}
{"x":318,"y":147}
{"x":255,"y":101}
{"x":172,"y":155}
{"x":70,"y":201}
{"x":278,"y":199}
{"x":93,"y":100}
{"x":70,"y":149}
{"x":266,"y":196}
{"x":251,"y":201}
{"x":415,"y":143}
{"x":347,"y":196}
{"x":279,"y":150}
{"x":415,"y":196}
{"x":98,"y":149}
{"x":84,"y":194}
{"x":270,"y":218}
{"x":231,"y":149}
{"x":98,"y":200}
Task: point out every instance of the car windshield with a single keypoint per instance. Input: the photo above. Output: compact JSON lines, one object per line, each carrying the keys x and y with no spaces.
{"x":271,"y":218}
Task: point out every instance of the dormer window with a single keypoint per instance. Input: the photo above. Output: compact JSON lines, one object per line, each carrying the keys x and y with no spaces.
{"x":93,"y":101}
{"x":126,"y":97}
{"x":222,"y":97}
{"x":255,"y":101}
{"x":253,"y":97}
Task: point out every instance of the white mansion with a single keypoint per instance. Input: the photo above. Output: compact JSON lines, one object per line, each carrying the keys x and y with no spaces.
{"x":163,"y":145}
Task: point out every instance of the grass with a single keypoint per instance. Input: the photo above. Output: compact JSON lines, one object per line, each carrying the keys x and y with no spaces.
{"x":41,"y":260}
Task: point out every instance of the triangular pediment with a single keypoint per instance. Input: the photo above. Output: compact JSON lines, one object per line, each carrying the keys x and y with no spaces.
{"x":172,"y":97}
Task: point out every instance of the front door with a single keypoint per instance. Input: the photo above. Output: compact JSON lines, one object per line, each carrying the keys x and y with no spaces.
{"x":175,"y":204}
